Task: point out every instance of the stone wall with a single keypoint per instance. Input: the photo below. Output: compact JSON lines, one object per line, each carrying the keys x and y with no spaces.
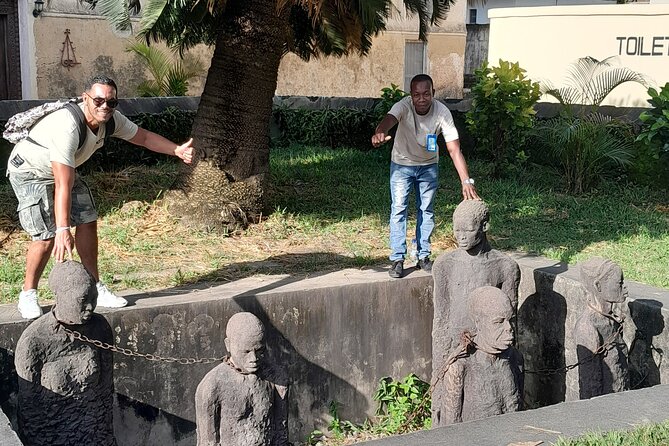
{"x":337,"y":334}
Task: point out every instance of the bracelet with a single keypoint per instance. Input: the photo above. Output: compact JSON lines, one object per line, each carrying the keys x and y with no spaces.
{"x":468,"y":181}
{"x":62,"y":229}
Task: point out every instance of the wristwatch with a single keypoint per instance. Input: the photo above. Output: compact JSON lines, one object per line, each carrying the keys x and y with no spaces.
{"x":468,"y":181}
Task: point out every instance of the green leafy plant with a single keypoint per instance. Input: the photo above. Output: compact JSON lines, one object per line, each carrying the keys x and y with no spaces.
{"x":171,"y":74}
{"x":502,"y":112}
{"x":341,"y":127}
{"x":586,"y":144}
{"x":314,"y":438}
{"x":651,"y":159}
{"x":655,"y":122}
{"x":340,"y":428}
{"x":588,"y":148}
{"x":403,"y":405}
{"x":389,"y":96}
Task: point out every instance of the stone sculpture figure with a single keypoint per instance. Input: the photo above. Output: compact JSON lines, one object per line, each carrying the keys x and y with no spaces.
{"x":599,"y":327}
{"x":488,"y":379}
{"x":239,"y":403}
{"x":457,"y":273}
{"x":65,"y":385}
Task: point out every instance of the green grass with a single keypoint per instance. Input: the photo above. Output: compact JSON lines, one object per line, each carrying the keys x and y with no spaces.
{"x":646,"y":435}
{"x":328,"y":210}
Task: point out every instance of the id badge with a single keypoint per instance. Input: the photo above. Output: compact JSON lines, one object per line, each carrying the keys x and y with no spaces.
{"x":431,"y":145}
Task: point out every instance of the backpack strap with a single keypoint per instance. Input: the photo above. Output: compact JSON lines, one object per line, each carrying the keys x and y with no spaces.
{"x":81,"y":119}
{"x":110,"y":127}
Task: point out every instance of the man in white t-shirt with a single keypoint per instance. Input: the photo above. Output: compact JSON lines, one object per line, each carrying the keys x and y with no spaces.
{"x":414,"y":164}
{"x":53,"y":200}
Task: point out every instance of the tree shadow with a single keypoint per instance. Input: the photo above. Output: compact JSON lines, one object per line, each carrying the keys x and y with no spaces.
{"x":645,"y":358}
{"x":541,"y":339}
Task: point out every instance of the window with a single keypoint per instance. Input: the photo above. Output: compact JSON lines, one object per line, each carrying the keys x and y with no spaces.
{"x":414,"y":61}
{"x":472,"y":15}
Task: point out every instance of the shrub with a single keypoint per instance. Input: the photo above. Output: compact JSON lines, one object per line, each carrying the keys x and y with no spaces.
{"x":171,"y":75}
{"x":389,"y":96}
{"x":588,"y":148}
{"x":586,"y":144}
{"x":502,"y":112}
{"x":651,"y":160}
{"x":403,"y":405}
{"x":342,"y":127}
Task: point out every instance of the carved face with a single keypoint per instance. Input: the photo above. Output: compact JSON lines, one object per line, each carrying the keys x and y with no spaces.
{"x":611,"y":286}
{"x":468,"y":232}
{"x":493,"y":327}
{"x":77,"y":309}
{"x":246,"y":351}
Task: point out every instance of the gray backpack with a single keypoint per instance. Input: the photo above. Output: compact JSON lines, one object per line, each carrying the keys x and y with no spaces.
{"x":18,"y":126}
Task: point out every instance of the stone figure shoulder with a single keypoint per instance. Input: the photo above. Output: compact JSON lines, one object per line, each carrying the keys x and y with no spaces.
{"x":61,"y":379}
{"x":251,"y":411}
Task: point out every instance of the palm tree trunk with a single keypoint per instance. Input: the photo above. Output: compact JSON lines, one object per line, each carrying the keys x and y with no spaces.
{"x":224,"y":188}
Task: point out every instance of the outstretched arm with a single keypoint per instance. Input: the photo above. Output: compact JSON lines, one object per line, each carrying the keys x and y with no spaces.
{"x":381,"y":132}
{"x":468,"y":190}
{"x":157,"y":143}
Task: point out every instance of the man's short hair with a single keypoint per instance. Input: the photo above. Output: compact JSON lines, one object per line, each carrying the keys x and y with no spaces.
{"x":421,"y":78}
{"x":101,"y":79}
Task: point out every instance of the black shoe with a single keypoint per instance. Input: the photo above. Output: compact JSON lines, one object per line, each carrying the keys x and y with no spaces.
{"x":397,"y":269}
{"x":425,"y":264}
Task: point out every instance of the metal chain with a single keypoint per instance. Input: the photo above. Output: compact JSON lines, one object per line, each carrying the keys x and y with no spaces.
{"x":610,"y":342}
{"x":461,"y":351}
{"x":466,"y":341}
{"x":148,"y":356}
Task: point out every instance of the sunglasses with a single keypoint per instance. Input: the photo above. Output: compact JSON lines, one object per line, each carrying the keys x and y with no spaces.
{"x":112,"y":103}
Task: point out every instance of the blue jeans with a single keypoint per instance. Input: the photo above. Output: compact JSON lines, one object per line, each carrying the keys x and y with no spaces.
{"x":425,"y":180}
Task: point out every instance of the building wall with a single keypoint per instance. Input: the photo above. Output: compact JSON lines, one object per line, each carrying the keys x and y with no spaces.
{"x":99,"y":50}
{"x":96,"y":49}
{"x":536,"y":38}
{"x":365,"y":77}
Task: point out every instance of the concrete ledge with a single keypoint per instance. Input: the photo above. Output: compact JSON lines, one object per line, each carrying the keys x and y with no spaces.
{"x":619,"y":411}
{"x":337,"y":334}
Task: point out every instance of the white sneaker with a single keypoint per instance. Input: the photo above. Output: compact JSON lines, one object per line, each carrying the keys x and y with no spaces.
{"x":108,"y":299}
{"x":28,"y":306}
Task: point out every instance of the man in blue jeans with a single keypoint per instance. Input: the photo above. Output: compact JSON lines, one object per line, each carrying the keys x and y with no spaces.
{"x":414,"y":163}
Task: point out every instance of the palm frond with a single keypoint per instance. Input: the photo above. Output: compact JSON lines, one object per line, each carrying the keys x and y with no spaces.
{"x":148,"y":89}
{"x":155,"y":60}
{"x":116,"y":13}
{"x":152,"y":11}
{"x":604,"y":83}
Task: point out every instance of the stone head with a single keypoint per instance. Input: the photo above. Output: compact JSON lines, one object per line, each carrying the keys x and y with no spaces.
{"x":491,"y":312}
{"x":76,"y":294}
{"x":245,"y":341}
{"x":604,"y":280}
{"x":470,"y":223}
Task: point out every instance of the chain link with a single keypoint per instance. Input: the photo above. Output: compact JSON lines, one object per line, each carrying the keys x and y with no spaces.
{"x":606,"y":346}
{"x":467,"y":341}
{"x":147,"y":356}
